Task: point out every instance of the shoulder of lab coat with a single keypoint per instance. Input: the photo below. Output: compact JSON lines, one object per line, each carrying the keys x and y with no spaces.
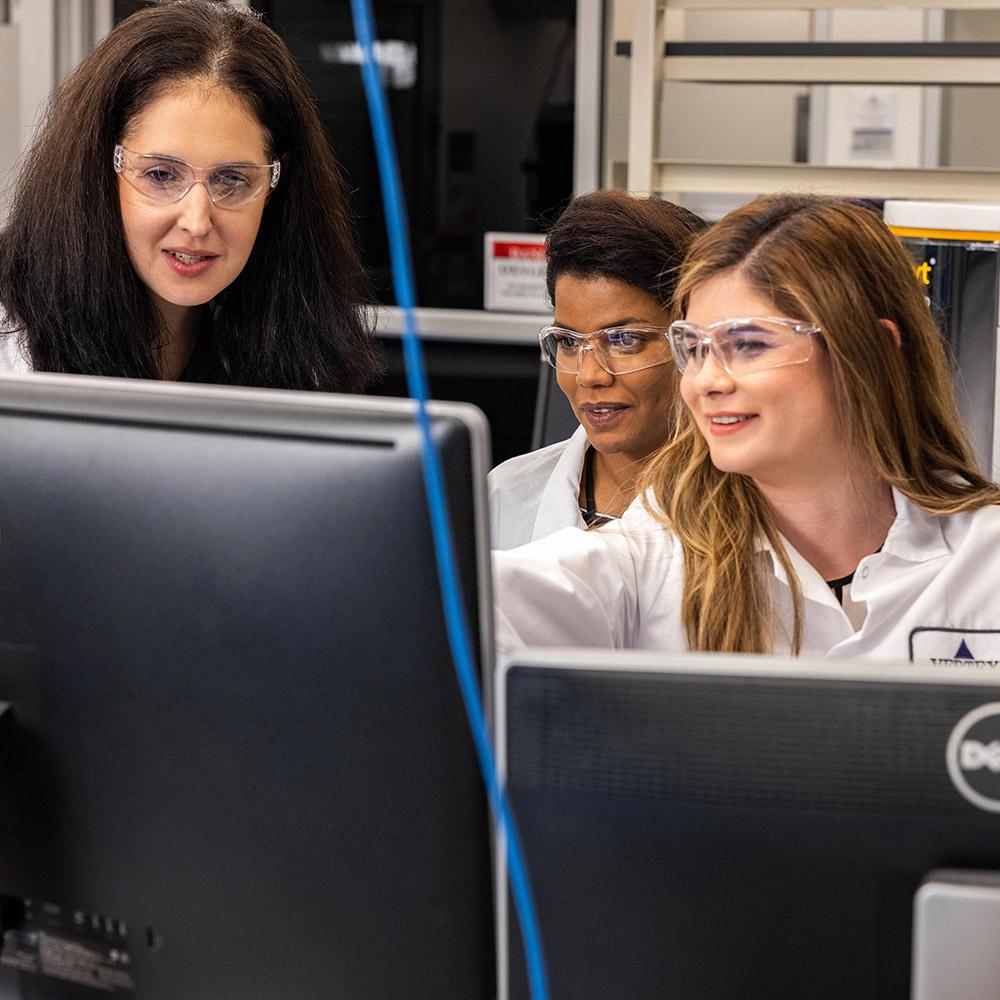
{"x":533,"y":495}
{"x":932,"y":588}
{"x":14,"y":359}
{"x":616,"y":586}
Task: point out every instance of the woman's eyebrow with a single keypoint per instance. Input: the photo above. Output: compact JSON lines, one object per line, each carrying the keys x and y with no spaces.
{"x":627,"y":321}
{"x":165,"y":156}
{"x":221,"y":163}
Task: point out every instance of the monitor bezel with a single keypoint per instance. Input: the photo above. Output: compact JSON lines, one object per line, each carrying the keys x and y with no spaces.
{"x":271,"y":411}
{"x":736,"y":665}
{"x":240,"y":410}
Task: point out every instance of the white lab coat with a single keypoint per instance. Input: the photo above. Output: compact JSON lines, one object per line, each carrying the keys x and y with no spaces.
{"x":932,"y":592}
{"x":533,"y":495}
{"x":13,"y":360}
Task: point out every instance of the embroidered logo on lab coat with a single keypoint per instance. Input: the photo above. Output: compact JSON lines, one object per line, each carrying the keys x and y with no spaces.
{"x":956,"y":647}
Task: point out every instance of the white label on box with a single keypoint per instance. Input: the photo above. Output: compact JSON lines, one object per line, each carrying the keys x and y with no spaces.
{"x":515,"y":272}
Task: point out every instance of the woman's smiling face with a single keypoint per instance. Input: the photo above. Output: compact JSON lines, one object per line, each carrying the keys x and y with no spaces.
{"x":186,"y":252}
{"x":785,"y":430}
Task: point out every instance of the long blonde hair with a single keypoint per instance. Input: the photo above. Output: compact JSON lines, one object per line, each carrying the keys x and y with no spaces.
{"x":836,"y":264}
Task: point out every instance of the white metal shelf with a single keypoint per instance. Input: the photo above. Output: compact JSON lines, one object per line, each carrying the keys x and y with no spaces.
{"x":770,"y":178}
{"x":465,"y":325}
{"x":827,"y":5}
{"x":966,"y":70}
{"x":653,"y":22}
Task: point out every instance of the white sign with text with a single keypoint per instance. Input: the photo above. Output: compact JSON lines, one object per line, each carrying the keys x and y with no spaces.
{"x":515,"y":272}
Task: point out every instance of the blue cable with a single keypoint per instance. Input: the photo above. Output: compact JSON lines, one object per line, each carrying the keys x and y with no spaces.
{"x":454,"y":610}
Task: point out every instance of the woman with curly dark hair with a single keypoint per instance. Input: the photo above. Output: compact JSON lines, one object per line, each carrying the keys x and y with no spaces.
{"x":181,"y":216}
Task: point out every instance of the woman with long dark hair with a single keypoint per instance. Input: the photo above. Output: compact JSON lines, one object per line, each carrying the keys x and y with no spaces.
{"x":820,"y":496}
{"x":181,"y":215}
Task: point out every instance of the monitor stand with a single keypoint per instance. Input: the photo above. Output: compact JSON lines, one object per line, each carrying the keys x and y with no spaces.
{"x":956,"y":927}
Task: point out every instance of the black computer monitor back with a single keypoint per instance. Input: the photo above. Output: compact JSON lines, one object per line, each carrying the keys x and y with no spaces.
{"x":715,"y":828}
{"x":236,"y":765}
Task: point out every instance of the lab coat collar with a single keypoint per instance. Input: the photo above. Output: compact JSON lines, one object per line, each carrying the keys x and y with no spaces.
{"x":814,"y":587}
{"x":559,"y":504}
{"x":914,"y":536}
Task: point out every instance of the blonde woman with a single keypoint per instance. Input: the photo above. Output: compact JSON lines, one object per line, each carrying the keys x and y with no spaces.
{"x":821,"y":497}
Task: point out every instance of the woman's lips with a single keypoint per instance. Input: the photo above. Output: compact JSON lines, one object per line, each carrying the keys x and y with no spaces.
{"x":603,"y":414}
{"x":189,"y":264}
{"x":723,"y":424}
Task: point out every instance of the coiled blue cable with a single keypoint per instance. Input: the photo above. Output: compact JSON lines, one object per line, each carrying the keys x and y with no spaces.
{"x":454,"y":610}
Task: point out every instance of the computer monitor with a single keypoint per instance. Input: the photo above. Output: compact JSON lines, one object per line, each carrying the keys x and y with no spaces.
{"x":236,"y":763}
{"x":706,"y":827}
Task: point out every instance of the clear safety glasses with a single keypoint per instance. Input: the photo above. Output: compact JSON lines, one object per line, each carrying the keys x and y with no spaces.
{"x":167,"y":179}
{"x":618,"y":350}
{"x":743,"y":345}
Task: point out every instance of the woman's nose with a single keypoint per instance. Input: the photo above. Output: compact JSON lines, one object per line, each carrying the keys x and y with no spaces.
{"x":196,"y":211}
{"x":591,"y":372}
{"x":712,"y":376}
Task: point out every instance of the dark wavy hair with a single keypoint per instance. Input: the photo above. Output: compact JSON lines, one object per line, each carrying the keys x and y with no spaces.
{"x":297,"y":315}
{"x":611,"y":234}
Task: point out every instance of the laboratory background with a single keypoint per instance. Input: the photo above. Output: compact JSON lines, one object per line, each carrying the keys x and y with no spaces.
{"x":503,"y":109}
{"x":832,"y":829}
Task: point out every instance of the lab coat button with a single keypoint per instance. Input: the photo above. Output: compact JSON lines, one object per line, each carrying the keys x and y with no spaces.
{"x":864,"y":573}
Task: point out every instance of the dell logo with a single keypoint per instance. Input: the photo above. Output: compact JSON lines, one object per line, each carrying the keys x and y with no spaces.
{"x":973,"y":757}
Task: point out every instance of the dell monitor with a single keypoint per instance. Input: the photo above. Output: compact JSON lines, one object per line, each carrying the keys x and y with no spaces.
{"x":711,"y":828}
{"x":235,"y":762}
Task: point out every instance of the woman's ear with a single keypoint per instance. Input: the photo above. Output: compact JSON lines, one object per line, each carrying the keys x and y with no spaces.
{"x":893,"y":331}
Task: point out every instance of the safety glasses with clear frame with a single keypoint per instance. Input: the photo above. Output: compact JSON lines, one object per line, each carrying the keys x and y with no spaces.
{"x":618,"y":349}
{"x":744,"y":344}
{"x":167,"y":179}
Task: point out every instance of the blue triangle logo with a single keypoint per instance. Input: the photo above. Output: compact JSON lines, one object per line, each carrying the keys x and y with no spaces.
{"x":964,"y":653}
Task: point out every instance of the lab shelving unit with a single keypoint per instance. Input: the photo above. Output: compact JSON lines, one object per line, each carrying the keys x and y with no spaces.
{"x":658,"y":53}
